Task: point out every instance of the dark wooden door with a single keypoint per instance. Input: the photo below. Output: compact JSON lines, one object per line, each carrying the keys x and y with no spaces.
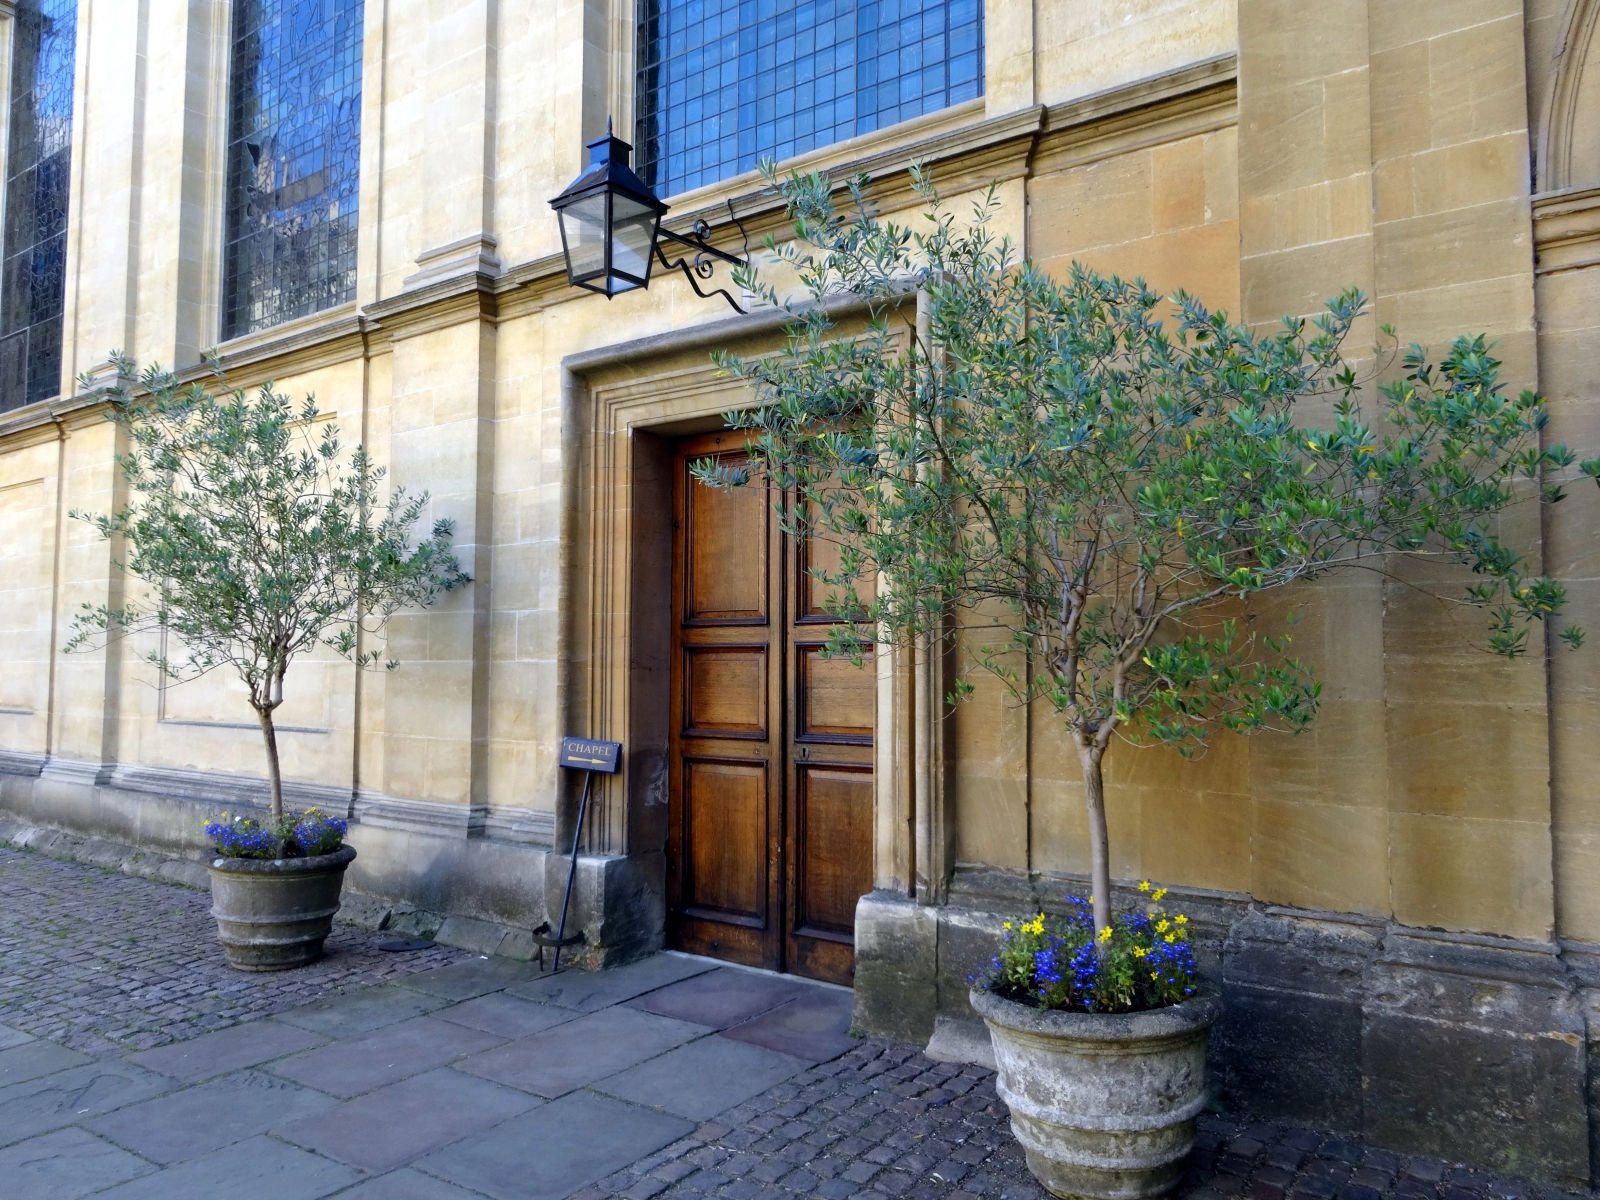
{"x":770,"y":840}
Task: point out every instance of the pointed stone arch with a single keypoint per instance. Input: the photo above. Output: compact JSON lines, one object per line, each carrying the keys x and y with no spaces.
{"x":1569,"y":154}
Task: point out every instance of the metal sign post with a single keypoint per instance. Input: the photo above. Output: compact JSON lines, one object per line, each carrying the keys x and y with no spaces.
{"x":588,"y":756}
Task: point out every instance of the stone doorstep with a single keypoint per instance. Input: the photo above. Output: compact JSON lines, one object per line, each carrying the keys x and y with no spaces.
{"x":365,"y":912}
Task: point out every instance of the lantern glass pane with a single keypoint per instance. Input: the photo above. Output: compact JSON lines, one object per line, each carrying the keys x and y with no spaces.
{"x":583,"y":227}
{"x":633,"y":227}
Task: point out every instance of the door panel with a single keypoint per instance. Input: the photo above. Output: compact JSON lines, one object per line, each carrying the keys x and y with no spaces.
{"x":833,"y":808}
{"x":725,"y":691}
{"x":769,"y":841}
{"x":811,"y":593}
{"x":725,"y":807}
{"x":726,"y":535}
{"x":834,"y":698}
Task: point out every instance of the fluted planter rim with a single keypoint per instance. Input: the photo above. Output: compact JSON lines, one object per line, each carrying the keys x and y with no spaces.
{"x":1176,"y":1019}
{"x":341,"y":857}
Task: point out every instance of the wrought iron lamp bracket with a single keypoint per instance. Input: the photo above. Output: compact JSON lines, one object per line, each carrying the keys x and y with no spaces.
{"x":700,"y":265}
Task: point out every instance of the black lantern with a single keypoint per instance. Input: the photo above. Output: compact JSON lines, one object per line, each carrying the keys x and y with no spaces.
{"x":609,"y":222}
{"x":611,"y":228}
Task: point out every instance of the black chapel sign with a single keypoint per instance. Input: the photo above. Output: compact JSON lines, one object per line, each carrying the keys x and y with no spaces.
{"x":582,"y":754}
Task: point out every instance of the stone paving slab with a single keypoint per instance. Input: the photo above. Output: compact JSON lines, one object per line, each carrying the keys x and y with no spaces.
{"x":54,"y":1101}
{"x":363,"y":1011}
{"x":702,"y":1079}
{"x":579,"y":1052}
{"x":590,"y":991}
{"x":392,"y":1126}
{"x":30,"y":1061}
{"x":384,"y":1056}
{"x":507,"y":1016}
{"x":472,"y":978}
{"x":406,"y":1184}
{"x":201,"y":1119}
{"x":851,"y":1118}
{"x":66,"y":1165}
{"x":213,"y":1054}
{"x":551,"y":1152}
{"x":251,"y":1170}
{"x":813,"y":1026}
{"x":720,"y":998}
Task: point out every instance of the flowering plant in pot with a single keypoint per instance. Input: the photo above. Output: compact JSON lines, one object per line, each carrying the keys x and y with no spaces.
{"x":1100,"y":1035}
{"x":275,"y":886}
{"x":257,"y":540}
{"x":1080,"y":487}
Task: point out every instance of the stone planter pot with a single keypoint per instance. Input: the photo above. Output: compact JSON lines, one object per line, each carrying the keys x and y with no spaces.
{"x":273,"y":914}
{"x":1103,"y":1104}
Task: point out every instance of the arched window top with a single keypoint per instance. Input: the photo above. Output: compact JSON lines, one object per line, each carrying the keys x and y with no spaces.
{"x":1570,"y":154}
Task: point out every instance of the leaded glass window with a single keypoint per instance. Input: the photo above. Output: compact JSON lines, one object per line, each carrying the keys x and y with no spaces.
{"x":33,"y":280}
{"x":725,"y":83}
{"x":294,"y":158}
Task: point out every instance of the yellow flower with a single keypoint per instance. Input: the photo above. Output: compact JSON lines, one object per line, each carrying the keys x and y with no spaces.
{"x":1154,"y":975}
{"x":1170,"y":938}
{"x":1145,"y":886}
{"x":1157,"y":894}
{"x":1181,"y":919}
{"x":1008,"y":924}
{"x":1105,"y":934}
{"x":1162,"y":925}
{"x":1140,"y":952}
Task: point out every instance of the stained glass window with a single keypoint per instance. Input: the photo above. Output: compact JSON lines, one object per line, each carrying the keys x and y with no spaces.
{"x":725,"y":83}
{"x":294,"y":159}
{"x":33,"y":280}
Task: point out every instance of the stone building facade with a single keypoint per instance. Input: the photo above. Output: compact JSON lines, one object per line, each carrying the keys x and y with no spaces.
{"x":1403,"y":906}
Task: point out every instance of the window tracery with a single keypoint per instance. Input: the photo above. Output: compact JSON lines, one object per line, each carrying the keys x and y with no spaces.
{"x":294,"y":160}
{"x":38,"y":178}
{"x":724,"y":83}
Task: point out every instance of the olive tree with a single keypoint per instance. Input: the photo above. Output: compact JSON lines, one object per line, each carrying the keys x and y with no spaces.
{"x":256,"y":538}
{"x":1074,"y":478}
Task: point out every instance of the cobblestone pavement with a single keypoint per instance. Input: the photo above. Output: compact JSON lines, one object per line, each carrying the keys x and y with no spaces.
{"x":886,"y":1121}
{"x":101,"y":961}
{"x":459,"y":1078}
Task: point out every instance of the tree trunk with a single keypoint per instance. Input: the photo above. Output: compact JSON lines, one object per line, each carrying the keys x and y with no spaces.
{"x":274,"y":777}
{"x":1094,"y":794}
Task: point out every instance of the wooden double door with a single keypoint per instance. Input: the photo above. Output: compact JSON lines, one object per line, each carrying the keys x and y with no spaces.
{"x":770,"y":840}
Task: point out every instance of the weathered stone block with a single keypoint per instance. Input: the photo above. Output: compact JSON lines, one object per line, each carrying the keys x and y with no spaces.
{"x":1291,"y":1054}
{"x":482,"y":937}
{"x":1290,"y":1041}
{"x":1505,"y":1027}
{"x":896,"y":992}
{"x":967,"y":942}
